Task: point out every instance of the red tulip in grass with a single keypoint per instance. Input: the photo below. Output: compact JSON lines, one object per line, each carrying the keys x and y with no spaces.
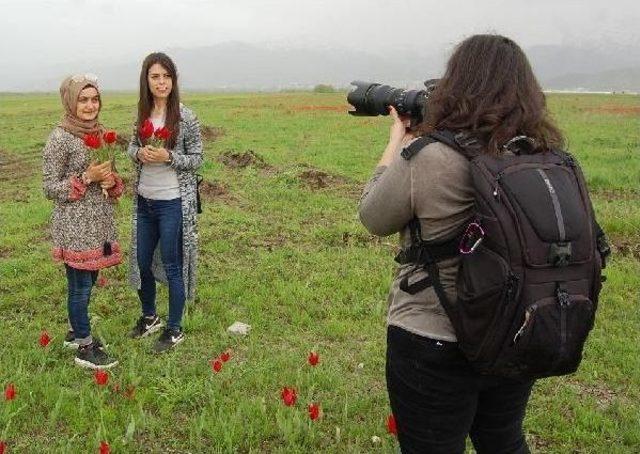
{"x":102,"y":281}
{"x":391,"y":425}
{"x":10,"y":392}
{"x":45,"y":339}
{"x":104,"y":448}
{"x":101,"y":377}
{"x":314,"y":411}
{"x":216,"y":365}
{"x":313,"y":358}
{"x":225,"y":356}
{"x":3,"y":446}
{"x":289,"y":396}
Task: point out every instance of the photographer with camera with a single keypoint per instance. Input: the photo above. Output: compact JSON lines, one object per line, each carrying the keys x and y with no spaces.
{"x":488,"y":98}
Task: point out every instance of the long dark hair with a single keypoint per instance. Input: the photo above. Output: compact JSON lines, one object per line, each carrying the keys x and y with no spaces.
{"x":489,"y":90}
{"x":145,"y":102}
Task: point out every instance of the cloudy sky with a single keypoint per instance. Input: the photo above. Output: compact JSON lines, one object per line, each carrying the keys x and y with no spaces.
{"x":36,"y":34}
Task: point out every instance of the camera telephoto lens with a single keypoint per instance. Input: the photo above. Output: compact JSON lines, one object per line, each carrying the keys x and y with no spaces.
{"x":372,"y":99}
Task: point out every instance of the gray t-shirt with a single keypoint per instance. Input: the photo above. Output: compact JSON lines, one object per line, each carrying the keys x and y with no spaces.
{"x":158,"y":181}
{"x":435,"y":186}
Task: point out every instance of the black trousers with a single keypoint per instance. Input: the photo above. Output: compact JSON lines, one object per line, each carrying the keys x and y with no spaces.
{"x":438,"y":399}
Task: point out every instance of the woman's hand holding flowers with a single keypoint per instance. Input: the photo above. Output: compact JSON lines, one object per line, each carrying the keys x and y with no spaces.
{"x":149,"y":154}
{"x":98,"y":172}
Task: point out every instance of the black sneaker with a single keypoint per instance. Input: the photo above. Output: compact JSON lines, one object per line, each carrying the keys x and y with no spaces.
{"x":168,"y":339}
{"x":70,"y":340}
{"x":145,"y":326}
{"x":93,"y":356}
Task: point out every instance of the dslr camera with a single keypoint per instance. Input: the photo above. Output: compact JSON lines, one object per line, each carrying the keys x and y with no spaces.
{"x":371,"y":99}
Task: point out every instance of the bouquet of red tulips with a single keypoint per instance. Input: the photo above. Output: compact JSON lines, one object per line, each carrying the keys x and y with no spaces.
{"x":154,"y":137}
{"x":103,"y":149}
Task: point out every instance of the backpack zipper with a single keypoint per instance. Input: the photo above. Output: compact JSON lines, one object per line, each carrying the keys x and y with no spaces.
{"x":528,"y":316}
{"x":563,"y":301}
{"x":496,"y":185}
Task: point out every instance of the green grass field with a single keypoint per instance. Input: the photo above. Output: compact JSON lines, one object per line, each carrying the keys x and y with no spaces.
{"x":282,"y":249}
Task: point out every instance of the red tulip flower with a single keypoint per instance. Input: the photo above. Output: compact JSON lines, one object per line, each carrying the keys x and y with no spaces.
{"x":44,"y":339}
{"x":110,"y":137}
{"x":289,"y":396}
{"x":10,"y":392}
{"x":216,"y":365}
{"x":225,"y":356}
{"x":102,"y":281}
{"x":104,"y":447}
{"x":92,"y":141}
{"x":313,"y":358}
{"x":146,"y":130}
{"x":391,"y":425}
{"x":162,"y":133}
{"x":314,"y":411}
{"x":3,"y":446}
{"x":101,"y":377}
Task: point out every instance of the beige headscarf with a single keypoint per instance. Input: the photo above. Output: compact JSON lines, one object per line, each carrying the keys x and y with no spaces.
{"x":70,"y":89}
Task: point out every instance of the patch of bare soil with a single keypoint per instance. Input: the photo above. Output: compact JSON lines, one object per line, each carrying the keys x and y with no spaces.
{"x":211,"y":133}
{"x":269,"y":243}
{"x":243,"y":160}
{"x":603,"y":395}
{"x":5,"y":252}
{"x":211,"y":190}
{"x":615,"y":194}
{"x":626,"y":246}
{"x":14,"y":167}
{"x":613,"y":109}
{"x":538,"y":444}
{"x":359,"y":239}
{"x":319,"y":179}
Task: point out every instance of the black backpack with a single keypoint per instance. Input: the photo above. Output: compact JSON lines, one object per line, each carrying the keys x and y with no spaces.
{"x":529,"y":275}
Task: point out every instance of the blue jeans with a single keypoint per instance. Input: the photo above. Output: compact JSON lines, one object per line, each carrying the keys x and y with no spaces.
{"x":80,"y":283}
{"x":160,"y":222}
{"x":438,"y":399}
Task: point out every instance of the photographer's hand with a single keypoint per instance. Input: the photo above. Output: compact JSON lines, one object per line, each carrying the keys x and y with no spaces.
{"x":398,"y":136}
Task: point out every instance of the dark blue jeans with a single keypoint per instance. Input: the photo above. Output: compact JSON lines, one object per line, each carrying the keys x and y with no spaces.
{"x":438,"y":399}
{"x":79,"y":283}
{"x":160,"y":222}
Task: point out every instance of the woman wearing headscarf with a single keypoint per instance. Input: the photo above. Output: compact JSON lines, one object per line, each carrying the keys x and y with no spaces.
{"x":82,"y":224}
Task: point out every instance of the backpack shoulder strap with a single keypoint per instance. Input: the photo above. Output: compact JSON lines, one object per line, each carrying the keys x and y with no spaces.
{"x":463,"y":143}
{"x":414,"y":147}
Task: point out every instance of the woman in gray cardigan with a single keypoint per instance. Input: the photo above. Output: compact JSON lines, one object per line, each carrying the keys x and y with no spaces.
{"x":164,"y":237}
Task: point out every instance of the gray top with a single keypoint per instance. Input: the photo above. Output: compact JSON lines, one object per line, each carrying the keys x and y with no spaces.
{"x":158,"y":181}
{"x":435,"y":186}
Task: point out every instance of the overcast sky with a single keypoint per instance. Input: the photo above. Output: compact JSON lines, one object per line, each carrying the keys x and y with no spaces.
{"x":39,"y":33}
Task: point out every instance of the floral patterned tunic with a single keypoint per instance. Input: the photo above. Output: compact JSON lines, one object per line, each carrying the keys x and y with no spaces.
{"x":82,"y":223}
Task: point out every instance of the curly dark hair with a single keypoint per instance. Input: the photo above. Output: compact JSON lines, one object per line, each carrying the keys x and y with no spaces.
{"x":489,"y":90}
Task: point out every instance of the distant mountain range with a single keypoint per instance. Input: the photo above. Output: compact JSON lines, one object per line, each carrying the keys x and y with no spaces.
{"x":242,"y":66}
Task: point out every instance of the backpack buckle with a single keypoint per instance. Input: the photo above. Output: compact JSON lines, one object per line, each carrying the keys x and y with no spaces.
{"x":560,"y":254}
{"x":471,"y":238}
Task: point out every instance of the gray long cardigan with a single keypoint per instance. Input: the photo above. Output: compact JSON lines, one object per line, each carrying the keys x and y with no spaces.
{"x":187,"y":158}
